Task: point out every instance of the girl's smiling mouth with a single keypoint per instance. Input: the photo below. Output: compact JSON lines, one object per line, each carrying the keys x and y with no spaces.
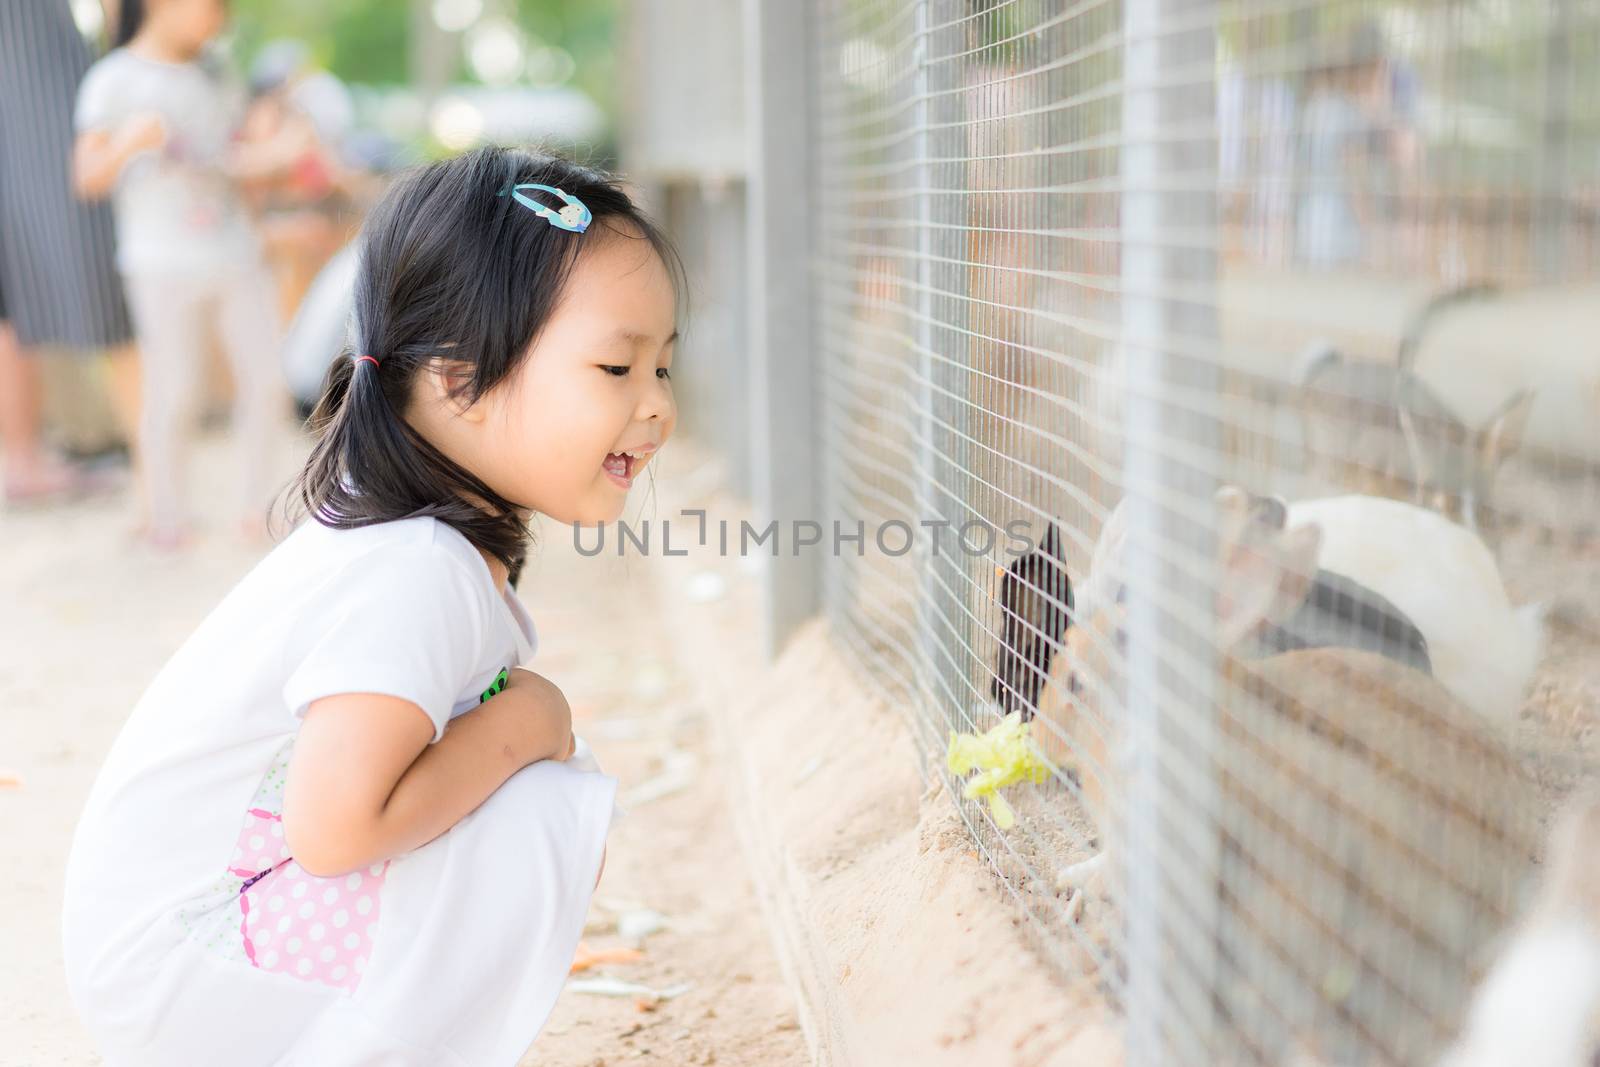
{"x":623,"y":465}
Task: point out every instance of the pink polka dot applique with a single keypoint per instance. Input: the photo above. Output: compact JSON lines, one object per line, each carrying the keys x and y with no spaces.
{"x":321,"y":934}
{"x":268,"y":911}
{"x":260,"y":845}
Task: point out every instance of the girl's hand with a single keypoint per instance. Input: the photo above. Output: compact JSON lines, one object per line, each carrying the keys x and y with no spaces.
{"x":543,"y":709}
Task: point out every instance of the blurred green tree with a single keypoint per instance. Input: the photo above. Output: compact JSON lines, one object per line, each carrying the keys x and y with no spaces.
{"x":368,"y":41}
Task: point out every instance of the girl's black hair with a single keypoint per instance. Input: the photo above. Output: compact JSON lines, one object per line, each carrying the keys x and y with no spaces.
{"x":130,"y":15}
{"x":450,"y":269}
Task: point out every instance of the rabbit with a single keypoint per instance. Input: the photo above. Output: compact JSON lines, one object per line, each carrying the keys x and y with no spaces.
{"x":1539,"y":1005}
{"x":1383,"y":428}
{"x":1338,"y":609}
{"x":1371,"y":827}
{"x":1444,"y":578}
{"x":1257,"y":554}
{"x":1426,"y":590}
{"x":1329,"y":609}
{"x":1255,"y":550}
{"x":1036,"y":601}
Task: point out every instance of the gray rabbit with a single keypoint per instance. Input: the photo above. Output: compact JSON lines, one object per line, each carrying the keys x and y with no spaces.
{"x":1380,"y":427}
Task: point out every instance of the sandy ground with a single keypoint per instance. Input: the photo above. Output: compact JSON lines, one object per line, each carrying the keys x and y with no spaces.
{"x":89,"y":620}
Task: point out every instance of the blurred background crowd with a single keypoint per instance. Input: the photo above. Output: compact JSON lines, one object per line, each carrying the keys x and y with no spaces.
{"x":180,"y":184}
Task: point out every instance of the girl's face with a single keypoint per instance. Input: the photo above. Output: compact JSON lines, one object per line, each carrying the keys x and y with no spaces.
{"x":186,"y":25}
{"x":595,"y":385}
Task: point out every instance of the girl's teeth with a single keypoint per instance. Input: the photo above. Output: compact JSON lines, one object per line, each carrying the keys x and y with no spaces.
{"x":617,"y":464}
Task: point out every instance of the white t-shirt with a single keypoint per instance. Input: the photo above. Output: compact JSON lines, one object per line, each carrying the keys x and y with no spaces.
{"x":406,"y":608}
{"x":175,"y":208}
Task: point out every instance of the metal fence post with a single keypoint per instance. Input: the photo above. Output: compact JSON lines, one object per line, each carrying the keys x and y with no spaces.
{"x":783,"y":372}
{"x":927,"y":634}
{"x":1550,"y":236}
{"x":1169,"y":271}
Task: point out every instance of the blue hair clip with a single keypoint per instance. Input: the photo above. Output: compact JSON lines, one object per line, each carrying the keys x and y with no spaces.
{"x":574,"y":217}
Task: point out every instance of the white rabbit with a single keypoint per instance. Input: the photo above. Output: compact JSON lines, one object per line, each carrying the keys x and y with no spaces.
{"x":1340,"y":610}
{"x":1444,"y":578}
{"x":1539,"y":1005}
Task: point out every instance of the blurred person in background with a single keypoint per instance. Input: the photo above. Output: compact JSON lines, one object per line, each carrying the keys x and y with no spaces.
{"x":58,"y":283}
{"x":306,"y":213}
{"x":1393,"y":108}
{"x":317,"y":331}
{"x":1336,"y":214}
{"x":1255,"y":152}
{"x":156,"y":119}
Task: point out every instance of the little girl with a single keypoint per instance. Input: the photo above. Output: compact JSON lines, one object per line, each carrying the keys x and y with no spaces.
{"x":155,"y":128}
{"x":335,"y":830}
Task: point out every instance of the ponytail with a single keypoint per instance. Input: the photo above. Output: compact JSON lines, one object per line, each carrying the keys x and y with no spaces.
{"x":369,"y":466}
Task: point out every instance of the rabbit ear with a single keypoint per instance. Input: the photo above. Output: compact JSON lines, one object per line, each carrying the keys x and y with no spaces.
{"x":1299,"y":550}
{"x":1500,"y":439}
{"x":1314,"y":360}
{"x":1053,"y":546}
{"x":1243,"y":518}
{"x":1233,"y":517}
{"x":1265,"y":581}
{"x":1108,"y":562}
{"x":1232,"y":502}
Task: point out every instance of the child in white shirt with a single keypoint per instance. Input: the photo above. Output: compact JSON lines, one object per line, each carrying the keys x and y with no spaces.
{"x":337,"y":830}
{"x":156,"y":125}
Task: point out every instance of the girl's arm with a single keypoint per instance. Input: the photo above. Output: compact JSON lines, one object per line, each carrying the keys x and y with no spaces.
{"x":100,"y":154}
{"x":364,"y":783}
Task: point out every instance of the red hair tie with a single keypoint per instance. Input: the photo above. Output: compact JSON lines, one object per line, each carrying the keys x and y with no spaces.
{"x":368,"y":359}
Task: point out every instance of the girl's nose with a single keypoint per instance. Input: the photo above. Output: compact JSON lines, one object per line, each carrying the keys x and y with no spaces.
{"x":658,"y":403}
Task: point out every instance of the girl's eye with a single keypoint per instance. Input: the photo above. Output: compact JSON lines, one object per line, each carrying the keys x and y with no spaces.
{"x":622,"y":371}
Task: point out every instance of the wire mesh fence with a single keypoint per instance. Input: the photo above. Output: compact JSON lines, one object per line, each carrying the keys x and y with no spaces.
{"x":1215,"y":383}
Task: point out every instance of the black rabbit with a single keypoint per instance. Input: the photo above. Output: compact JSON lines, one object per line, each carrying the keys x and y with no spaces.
{"x":1036,"y":602}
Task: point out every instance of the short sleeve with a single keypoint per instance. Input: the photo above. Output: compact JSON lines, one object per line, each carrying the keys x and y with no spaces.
{"x":97,"y":99}
{"x":404,"y":621}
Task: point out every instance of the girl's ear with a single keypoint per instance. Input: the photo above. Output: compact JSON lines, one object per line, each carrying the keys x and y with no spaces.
{"x":445,"y":382}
